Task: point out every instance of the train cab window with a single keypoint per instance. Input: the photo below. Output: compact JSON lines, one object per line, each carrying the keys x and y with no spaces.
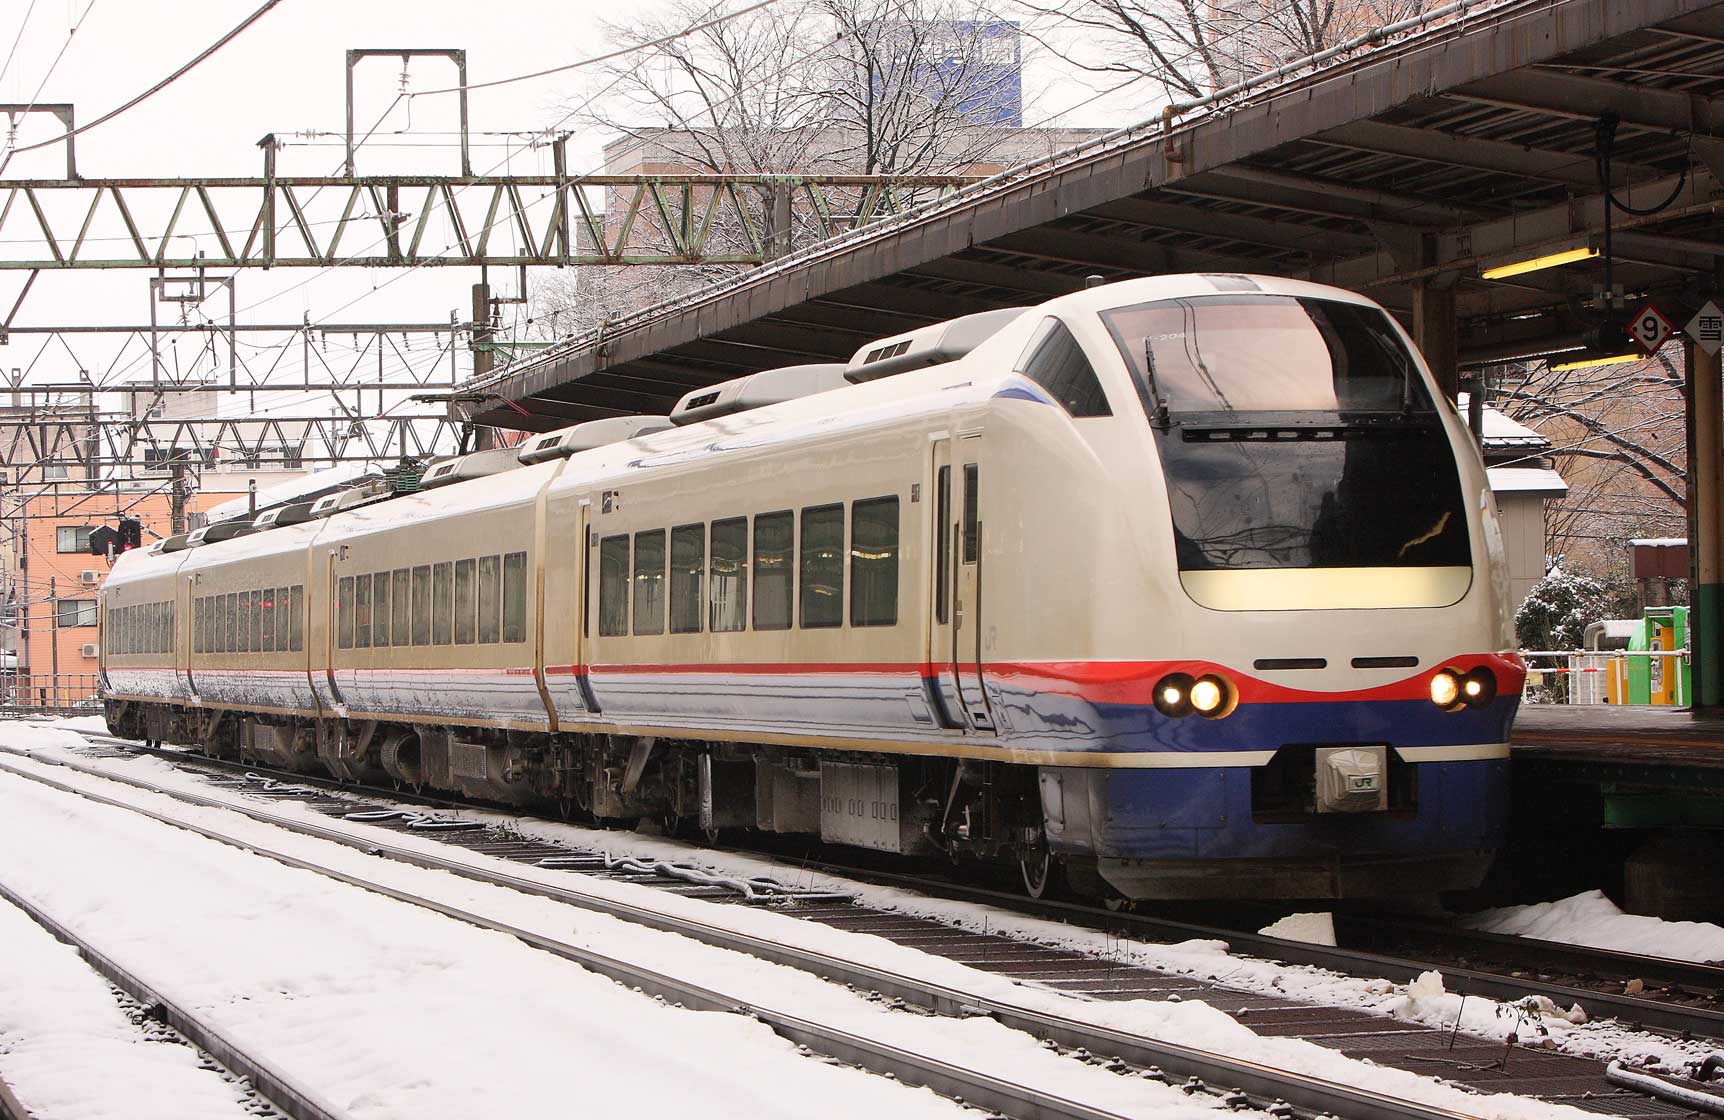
{"x":649,"y":582}
{"x":466,"y":595}
{"x":422,"y":605}
{"x":515,"y":597}
{"x":729,"y":575}
{"x":400,"y":607}
{"x":774,"y":569}
{"x":687,"y":563}
{"x":442,"y":603}
{"x":874,"y":562}
{"x":972,"y":514}
{"x":822,"y":579}
{"x":614,"y":587}
{"x":296,"y":617}
{"x":1056,"y":362}
{"x":362,"y":611}
{"x":380,"y":609}
{"x":490,"y":580}
{"x":344,"y":611}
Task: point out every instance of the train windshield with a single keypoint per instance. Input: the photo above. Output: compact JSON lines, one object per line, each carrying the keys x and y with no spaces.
{"x":1294,"y":433}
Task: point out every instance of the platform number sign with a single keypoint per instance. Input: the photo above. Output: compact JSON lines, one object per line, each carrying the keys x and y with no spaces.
{"x":1707,"y":330}
{"x":1650,"y":328}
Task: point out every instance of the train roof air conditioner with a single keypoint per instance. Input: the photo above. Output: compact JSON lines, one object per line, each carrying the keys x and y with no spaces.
{"x":295,"y":514}
{"x":585,"y":437}
{"x":220,"y":531}
{"x":929,"y":346}
{"x":478,"y":464}
{"x":757,"y":390}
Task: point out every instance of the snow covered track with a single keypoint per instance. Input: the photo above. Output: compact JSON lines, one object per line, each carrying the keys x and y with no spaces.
{"x":288,"y":1097}
{"x":1264,"y":1083}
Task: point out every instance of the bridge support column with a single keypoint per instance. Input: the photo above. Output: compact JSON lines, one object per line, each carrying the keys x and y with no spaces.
{"x":1434,"y":331}
{"x":1706,"y":525}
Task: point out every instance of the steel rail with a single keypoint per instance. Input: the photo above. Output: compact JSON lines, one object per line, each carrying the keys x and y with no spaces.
{"x":1702,"y":1022}
{"x":272,"y":1084}
{"x":1696,"y":1021}
{"x":1300,"y":1090}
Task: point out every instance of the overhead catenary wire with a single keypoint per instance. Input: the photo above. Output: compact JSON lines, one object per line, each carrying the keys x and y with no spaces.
{"x":23,"y":25}
{"x":6,"y":156}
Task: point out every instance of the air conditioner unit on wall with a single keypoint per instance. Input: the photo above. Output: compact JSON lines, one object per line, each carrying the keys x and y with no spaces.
{"x":90,"y":577}
{"x":88,"y":649}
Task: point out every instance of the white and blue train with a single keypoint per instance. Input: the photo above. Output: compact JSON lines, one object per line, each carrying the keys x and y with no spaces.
{"x":1182,"y":587}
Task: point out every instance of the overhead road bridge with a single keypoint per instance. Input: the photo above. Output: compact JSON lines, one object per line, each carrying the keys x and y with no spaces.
{"x":1405,"y":170}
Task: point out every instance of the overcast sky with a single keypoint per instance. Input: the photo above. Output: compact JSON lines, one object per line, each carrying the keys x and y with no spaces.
{"x":285,"y":76}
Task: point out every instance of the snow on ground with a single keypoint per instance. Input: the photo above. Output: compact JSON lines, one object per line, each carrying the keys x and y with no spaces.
{"x":1592,"y":919}
{"x":1189,"y":1022}
{"x":392,"y":1011}
{"x":60,"y":1022}
{"x":1313,"y":929}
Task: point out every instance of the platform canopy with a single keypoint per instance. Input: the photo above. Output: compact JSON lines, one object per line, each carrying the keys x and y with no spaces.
{"x":1404,"y":172}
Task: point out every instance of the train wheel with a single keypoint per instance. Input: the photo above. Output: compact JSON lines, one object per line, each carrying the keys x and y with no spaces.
{"x":1038,"y":872}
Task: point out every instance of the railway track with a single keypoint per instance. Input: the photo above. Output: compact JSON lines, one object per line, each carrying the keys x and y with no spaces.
{"x":277,"y":1089}
{"x":1237,"y":1083}
{"x":1570,"y":1080}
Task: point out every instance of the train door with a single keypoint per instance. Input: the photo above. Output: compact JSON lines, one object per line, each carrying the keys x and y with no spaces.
{"x":956,"y":620}
{"x":331,"y":624}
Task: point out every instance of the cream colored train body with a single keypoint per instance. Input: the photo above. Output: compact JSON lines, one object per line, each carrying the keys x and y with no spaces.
{"x":975,"y":611}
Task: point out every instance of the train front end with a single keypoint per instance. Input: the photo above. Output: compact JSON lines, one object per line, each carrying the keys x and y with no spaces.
{"x":1326,"y":681}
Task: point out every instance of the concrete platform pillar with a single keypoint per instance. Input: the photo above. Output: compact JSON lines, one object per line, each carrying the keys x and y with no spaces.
{"x":1434,"y":331}
{"x":1705,"y":393}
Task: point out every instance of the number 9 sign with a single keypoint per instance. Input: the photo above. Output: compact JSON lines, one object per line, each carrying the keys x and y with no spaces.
{"x":1650,"y":328}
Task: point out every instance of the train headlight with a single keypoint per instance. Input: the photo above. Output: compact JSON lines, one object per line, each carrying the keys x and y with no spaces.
{"x":1479,"y":687}
{"x":1446,"y":689}
{"x":1173,"y":694}
{"x":1211,"y":696}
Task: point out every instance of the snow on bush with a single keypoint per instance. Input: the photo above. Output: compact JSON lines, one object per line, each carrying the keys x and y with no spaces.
{"x":1559,"y":608}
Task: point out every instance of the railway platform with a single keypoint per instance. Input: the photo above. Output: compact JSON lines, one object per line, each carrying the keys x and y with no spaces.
{"x":1633,"y":794}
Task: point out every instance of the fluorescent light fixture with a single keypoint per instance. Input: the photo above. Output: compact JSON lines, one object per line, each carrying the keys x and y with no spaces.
{"x":1567,"y":256}
{"x":1590,"y":363}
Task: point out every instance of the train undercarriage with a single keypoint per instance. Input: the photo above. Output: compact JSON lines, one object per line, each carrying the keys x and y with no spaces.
{"x":982,"y":814}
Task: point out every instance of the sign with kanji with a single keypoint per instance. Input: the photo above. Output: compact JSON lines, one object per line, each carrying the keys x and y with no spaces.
{"x":1650,"y":328}
{"x":1707,"y":328}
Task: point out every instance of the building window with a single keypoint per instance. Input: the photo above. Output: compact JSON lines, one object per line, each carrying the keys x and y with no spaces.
{"x":874,"y":562}
{"x":55,"y":472}
{"x":73,"y":538}
{"x":77,"y":612}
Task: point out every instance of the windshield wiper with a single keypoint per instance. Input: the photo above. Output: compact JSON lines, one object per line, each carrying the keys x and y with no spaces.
{"x":1158,"y":417}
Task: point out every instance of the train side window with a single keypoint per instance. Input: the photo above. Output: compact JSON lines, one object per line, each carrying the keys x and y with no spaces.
{"x":729,"y":575}
{"x":687,"y":563}
{"x":296,"y":617}
{"x":490,"y":579}
{"x":422,"y":605}
{"x":614,"y":587}
{"x":281,"y":617}
{"x":197,"y":628}
{"x":362,"y":611}
{"x":442,"y":603}
{"x":774,"y":569}
{"x":466,"y":592}
{"x":380,"y":609}
{"x":515,"y":597}
{"x":822,"y":579}
{"x":344,"y":611}
{"x":230,"y":630}
{"x":649,"y":582}
{"x":247,"y":616}
{"x":972,"y":514}
{"x":874,"y":562}
{"x":173,"y":626}
{"x":259,"y":635}
{"x":212,"y":616}
{"x":400,"y":609}
{"x":1056,"y":362}
{"x":266,"y":611}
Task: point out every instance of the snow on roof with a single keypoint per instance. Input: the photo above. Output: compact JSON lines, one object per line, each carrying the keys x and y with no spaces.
{"x":1540,"y":480}
{"x":1500,"y":431}
{"x":315,"y":483}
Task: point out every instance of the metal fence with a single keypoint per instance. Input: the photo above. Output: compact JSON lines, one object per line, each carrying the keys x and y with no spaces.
{"x":1586,"y":676}
{"x":48,"y":692}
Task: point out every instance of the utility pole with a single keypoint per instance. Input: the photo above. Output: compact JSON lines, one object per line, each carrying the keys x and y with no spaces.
{"x":177,"y":499}
{"x":54,"y":646}
{"x":484,"y":358}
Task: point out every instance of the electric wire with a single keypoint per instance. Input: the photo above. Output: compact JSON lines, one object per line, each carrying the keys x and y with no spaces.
{"x":6,"y":156}
{"x":23,"y":24}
